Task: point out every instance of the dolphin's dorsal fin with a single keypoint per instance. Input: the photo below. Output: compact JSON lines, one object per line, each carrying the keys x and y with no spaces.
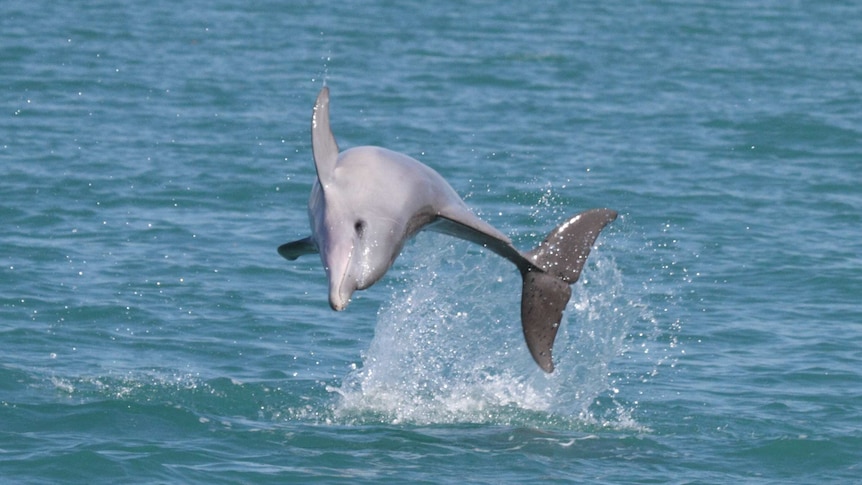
{"x":323,"y":144}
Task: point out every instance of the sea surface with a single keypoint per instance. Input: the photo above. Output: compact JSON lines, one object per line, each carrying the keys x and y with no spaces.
{"x":154,"y":154}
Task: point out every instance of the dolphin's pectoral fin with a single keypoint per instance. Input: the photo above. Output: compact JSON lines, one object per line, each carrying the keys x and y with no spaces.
{"x":323,"y":145}
{"x":543,"y":299}
{"x":295,"y":249}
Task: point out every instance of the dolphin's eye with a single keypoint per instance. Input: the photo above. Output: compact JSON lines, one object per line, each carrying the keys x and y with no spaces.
{"x":359,"y":226}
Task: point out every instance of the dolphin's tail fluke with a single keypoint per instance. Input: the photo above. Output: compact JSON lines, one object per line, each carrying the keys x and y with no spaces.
{"x":558,"y":262}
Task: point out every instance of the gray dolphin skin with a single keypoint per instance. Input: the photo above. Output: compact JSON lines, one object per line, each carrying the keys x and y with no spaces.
{"x":368,"y":201}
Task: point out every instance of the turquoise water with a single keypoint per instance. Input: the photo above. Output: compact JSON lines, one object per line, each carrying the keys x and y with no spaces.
{"x":154,"y":155}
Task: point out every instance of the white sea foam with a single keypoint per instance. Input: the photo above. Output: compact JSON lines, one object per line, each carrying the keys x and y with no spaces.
{"x":448,"y":345}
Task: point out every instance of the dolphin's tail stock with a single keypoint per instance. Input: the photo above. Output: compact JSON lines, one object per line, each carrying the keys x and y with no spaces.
{"x":560,"y":257}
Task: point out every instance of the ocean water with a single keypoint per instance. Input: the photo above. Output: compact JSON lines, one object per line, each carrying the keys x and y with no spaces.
{"x":153,"y":155}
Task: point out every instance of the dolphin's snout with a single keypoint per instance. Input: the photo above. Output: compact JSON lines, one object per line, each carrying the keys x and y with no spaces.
{"x":340,"y":291}
{"x":339,"y":271}
{"x":337,"y":302}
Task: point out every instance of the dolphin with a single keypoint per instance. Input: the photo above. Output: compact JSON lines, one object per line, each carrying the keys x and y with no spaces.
{"x":368,"y":201}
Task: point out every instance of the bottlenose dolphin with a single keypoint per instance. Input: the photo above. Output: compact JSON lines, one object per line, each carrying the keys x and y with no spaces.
{"x":368,"y":201}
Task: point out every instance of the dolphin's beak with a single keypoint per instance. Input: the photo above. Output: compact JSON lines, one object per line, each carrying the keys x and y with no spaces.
{"x":342,"y":283}
{"x":337,"y":300}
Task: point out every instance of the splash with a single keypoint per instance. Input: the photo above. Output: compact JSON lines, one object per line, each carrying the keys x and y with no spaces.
{"x":448,"y":346}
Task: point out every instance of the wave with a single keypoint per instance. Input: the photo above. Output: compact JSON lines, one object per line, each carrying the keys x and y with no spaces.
{"x":448,"y":347}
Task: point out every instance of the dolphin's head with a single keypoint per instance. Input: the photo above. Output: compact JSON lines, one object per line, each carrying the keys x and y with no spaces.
{"x":356,"y":247}
{"x":357,"y":221}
